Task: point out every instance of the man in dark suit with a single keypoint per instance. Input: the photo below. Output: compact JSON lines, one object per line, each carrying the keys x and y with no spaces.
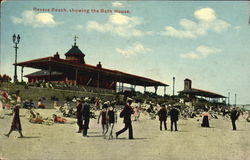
{"x":163,"y":117}
{"x":234,"y":116}
{"x":174,"y":113}
{"x":85,"y":116}
{"x":79,"y":114}
{"x":126,"y":114}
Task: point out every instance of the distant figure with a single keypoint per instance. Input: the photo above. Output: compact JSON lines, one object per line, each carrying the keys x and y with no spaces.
{"x":223,"y":113}
{"x":162,"y":113}
{"x":103,"y":116}
{"x":234,"y":116}
{"x":36,"y":118}
{"x":85,"y":116}
{"x":126,"y":114}
{"x":16,"y":123}
{"x":18,"y":99}
{"x":97,"y":103}
{"x":40,"y":104}
{"x":79,"y":115}
{"x":1,"y":109}
{"x":174,"y":118}
{"x":136,"y":113}
{"x":58,"y":119}
{"x":205,"y":121}
{"x":99,"y":65}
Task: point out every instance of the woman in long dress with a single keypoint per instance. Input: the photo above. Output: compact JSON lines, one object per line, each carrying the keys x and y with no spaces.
{"x":205,"y":120}
{"x":16,"y":123}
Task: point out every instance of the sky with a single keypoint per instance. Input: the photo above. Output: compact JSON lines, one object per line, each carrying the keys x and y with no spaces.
{"x":205,"y":41}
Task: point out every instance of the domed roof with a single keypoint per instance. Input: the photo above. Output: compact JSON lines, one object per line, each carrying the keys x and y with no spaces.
{"x":75,"y":51}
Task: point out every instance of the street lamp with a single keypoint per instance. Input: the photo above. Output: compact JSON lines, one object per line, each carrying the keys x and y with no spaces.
{"x":16,"y":40}
{"x":173,"y":85}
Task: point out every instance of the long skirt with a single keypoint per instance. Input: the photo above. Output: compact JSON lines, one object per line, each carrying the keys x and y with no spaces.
{"x":205,"y":122}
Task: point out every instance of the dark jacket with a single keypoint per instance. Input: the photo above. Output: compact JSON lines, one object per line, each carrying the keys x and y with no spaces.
{"x":234,"y":115}
{"x":79,"y":111}
{"x":85,"y":111}
{"x":126,"y":114}
{"x":174,"y":114}
{"x":162,"y":114}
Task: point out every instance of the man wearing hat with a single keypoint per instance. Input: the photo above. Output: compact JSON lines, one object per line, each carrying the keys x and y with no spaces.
{"x":234,"y":116}
{"x":79,"y":114}
{"x":162,"y":113}
{"x":126,"y":114}
{"x":85,"y":116}
{"x":174,"y":113}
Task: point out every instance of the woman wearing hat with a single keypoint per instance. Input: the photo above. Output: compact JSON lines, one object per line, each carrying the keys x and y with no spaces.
{"x":16,"y":123}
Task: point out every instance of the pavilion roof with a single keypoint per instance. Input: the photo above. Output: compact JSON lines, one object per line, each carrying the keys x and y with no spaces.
{"x":43,"y":73}
{"x":203,"y":93}
{"x":62,"y":65}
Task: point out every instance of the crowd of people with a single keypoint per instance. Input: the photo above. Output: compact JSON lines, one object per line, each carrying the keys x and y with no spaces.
{"x":83,"y":110}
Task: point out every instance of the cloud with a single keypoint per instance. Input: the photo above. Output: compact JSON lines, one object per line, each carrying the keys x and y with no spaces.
{"x":200,"y":52}
{"x":134,"y":49}
{"x":237,"y":28}
{"x":120,"y":25}
{"x":35,"y":20}
{"x":78,"y":27}
{"x":206,"y":21}
{"x":205,"y":14}
{"x":117,"y":4}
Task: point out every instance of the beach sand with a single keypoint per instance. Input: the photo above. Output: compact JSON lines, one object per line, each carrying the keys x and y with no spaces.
{"x":61,"y":142}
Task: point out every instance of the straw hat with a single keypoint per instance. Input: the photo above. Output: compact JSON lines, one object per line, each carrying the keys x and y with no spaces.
{"x":107,"y":102}
{"x":129,"y":99}
{"x":78,"y":99}
{"x":86,"y":99}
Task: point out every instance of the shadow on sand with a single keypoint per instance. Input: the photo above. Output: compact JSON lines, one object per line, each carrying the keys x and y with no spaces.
{"x":95,"y":135}
{"x":135,"y":139}
{"x":94,"y":132}
{"x":27,"y":137}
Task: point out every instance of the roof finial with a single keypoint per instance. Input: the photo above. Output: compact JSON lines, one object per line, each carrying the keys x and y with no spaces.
{"x":75,"y":40}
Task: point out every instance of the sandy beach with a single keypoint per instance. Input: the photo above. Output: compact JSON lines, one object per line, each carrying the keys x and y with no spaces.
{"x":60,"y":141}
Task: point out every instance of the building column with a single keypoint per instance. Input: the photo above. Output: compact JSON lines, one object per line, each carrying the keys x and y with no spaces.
{"x":76,"y":76}
{"x":145,"y":89}
{"x":173,"y":85}
{"x":156,"y":87}
{"x":164,"y":90}
{"x":122,"y":86}
{"x":98,"y":80}
{"x":49,"y":71}
{"x":22,"y":74}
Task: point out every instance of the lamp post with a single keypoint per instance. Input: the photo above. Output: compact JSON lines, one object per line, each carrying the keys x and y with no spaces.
{"x":16,"y":40}
{"x":173,"y":85}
